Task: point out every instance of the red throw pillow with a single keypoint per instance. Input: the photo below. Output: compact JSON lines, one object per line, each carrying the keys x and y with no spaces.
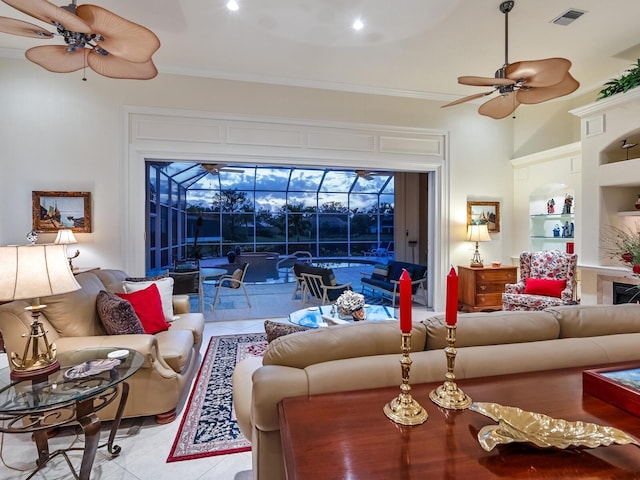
{"x":148,"y":307}
{"x":543,"y":286}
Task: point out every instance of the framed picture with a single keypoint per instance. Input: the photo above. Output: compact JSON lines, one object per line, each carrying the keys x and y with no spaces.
{"x":53,"y":211}
{"x":488,"y":213}
{"x":619,"y":386}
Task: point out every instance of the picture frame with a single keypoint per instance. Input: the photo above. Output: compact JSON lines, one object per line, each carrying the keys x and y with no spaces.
{"x":619,"y":385}
{"x":484,"y":212}
{"x":53,"y":211}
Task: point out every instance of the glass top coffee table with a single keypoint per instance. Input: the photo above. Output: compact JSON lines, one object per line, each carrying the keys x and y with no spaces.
{"x":87,"y":381}
{"x":311,"y":317}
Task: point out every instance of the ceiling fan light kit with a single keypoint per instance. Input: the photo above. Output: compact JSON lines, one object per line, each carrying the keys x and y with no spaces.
{"x":528,"y":82}
{"x":110,"y":45}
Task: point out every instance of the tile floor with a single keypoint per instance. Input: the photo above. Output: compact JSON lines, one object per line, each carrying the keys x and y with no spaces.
{"x":145,"y":445}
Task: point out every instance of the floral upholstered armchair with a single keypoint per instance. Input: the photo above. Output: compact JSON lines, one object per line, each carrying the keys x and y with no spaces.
{"x":547,"y":279}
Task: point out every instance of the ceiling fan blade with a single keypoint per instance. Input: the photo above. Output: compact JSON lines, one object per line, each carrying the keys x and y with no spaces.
{"x":123,"y":38}
{"x":51,"y":14}
{"x":542,"y":94}
{"x":24,"y":29}
{"x":231,"y":170}
{"x":56,"y":58}
{"x":485,"y":81}
{"x":468,"y":98}
{"x":499,"y":107}
{"x":115,"y":67}
{"x":539,"y":73}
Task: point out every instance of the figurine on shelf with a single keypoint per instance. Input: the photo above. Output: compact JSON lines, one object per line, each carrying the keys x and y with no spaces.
{"x":568,"y":203}
{"x":556,"y":230}
{"x":551,"y":206}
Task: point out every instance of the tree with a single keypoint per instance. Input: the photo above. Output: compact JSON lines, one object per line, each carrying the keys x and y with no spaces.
{"x":233,"y":205}
{"x":298,"y":218}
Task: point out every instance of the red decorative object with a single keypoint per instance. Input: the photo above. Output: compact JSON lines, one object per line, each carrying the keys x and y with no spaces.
{"x":623,"y":396}
{"x":405,"y":302}
{"x":451,"y":312}
{"x":569,"y":247}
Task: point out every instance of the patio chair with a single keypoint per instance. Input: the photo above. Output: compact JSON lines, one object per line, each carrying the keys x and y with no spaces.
{"x":322,"y":287}
{"x":185,"y":274}
{"x":234,"y":281}
{"x":547,"y":279}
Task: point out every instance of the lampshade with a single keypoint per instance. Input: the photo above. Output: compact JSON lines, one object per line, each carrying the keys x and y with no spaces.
{"x":478,"y":233}
{"x":65,"y":237}
{"x":33,"y":271}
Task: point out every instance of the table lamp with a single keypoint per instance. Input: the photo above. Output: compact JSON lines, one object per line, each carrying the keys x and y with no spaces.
{"x":31,"y":272}
{"x":477,"y":233}
{"x":66,"y":237}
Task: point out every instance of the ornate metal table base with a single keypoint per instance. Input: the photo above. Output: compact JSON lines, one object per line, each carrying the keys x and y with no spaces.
{"x":82,"y":412}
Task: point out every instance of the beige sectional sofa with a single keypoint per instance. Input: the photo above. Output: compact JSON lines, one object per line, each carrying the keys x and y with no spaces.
{"x":366,"y":355}
{"x":72,"y":323}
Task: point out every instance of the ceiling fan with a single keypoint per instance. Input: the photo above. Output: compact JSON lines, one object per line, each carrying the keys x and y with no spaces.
{"x":368,"y":174}
{"x":109,"y":44}
{"x":216,"y":168}
{"x":528,"y":82}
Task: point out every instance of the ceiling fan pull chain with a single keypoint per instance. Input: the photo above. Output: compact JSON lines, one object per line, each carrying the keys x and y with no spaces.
{"x":84,"y":68}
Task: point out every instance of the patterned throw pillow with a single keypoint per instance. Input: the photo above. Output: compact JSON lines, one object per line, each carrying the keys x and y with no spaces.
{"x":117,"y":315}
{"x":276,"y":329}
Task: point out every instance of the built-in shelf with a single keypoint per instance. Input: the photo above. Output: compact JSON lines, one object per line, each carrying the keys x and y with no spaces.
{"x":551,"y":238}
{"x":630,"y":213}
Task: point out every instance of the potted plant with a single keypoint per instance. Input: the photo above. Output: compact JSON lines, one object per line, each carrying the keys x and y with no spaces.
{"x":628,"y":80}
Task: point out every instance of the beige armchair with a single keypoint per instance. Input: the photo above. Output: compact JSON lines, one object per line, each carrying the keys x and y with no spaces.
{"x":72,"y":323}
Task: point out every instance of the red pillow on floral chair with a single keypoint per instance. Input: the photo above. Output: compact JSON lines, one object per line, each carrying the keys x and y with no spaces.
{"x":541,"y":276}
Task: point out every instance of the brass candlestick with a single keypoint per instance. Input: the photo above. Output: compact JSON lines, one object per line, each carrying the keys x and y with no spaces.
{"x":404,"y":409}
{"x":448,"y":395}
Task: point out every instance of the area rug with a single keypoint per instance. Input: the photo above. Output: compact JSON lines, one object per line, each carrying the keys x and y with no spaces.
{"x":209,"y":426}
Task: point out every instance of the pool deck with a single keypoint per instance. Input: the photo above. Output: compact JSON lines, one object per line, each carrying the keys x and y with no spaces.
{"x":273,"y":299}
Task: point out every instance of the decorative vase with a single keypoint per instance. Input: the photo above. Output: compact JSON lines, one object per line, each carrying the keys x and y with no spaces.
{"x":359,"y":314}
{"x":637,"y":204}
{"x":231,"y":256}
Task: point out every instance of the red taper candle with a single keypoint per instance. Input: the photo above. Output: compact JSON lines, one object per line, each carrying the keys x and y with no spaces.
{"x":405,"y":302}
{"x":452,"y":297}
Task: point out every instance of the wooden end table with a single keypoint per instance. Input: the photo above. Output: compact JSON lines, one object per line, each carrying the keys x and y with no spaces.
{"x":59,"y":401}
{"x":347,"y":435}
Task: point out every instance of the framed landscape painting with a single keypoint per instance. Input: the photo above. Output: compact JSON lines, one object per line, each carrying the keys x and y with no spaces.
{"x":53,"y":211}
{"x":488,"y":213}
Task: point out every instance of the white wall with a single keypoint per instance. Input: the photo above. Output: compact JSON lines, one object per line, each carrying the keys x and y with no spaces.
{"x":60,"y":133}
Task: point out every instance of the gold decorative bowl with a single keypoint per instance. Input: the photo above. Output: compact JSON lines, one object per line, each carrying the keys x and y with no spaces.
{"x":517,"y":425}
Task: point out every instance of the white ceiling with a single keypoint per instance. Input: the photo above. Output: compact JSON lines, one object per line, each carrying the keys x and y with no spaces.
{"x":413,"y":48}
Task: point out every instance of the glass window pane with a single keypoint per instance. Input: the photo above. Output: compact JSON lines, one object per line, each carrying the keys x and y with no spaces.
{"x":304,"y":180}
{"x":337,"y":181}
{"x":332,"y":227}
{"x":301,"y":200}
{"x":272,"y":179}
{"x":373,"y":184}
{"x":237,"y":180}
{"x":333,"y":202}
{"x":164,"y":189}
{"x":302,"y":227}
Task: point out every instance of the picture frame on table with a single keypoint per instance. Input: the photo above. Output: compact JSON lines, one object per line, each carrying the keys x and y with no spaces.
{"x":53,"y":211}
{"x":619,"y":385}
{"x":488,"y":213}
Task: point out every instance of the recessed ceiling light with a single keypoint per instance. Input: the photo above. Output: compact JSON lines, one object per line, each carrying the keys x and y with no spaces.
{"x":233,"y":5}
{"x":358,"y":25}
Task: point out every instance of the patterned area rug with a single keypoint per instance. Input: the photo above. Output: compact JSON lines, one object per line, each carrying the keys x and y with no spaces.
{"x":209,"y":425}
